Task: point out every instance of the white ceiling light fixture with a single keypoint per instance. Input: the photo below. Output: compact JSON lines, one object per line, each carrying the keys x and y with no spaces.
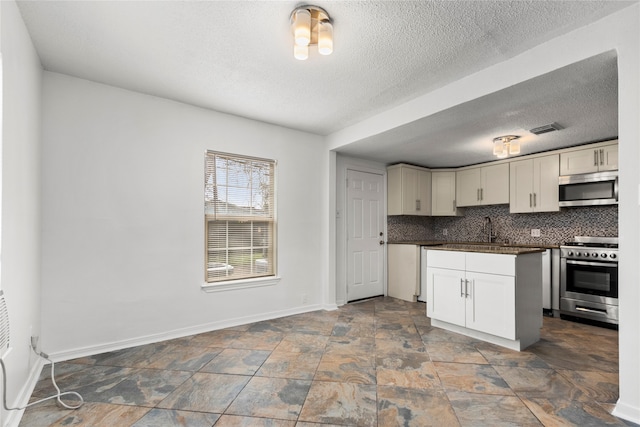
{"x":503,"y":146}
{"x":311,"y":25}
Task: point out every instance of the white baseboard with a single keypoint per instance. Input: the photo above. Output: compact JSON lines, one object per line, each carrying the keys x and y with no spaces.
{"x":179,"y":333}
{"x":627,"y":412}
{"x":14,"y":417}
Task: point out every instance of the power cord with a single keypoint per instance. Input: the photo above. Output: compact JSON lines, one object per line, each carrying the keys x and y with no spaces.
{"x":57,"y":396}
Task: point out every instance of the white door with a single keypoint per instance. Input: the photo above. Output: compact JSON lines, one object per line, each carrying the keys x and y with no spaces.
{"x":491,"y":305}
{"x":365,"y":231}
{"x":446,"y":295}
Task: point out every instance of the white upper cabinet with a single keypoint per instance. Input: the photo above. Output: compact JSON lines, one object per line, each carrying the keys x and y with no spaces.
{"x":534,"y":185}
{"x":486,"y":185}
{"x":408,"y":190}
{"x":443,"y":194}
{"x":599,"y":159}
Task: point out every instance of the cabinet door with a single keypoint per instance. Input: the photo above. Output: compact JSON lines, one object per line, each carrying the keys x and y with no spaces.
{"x":403,"y":263}
{"x":609,"y":158}
{"x":521,"y":186}
{"x":445,"y":295}
{"x":581,"y":161}
{"x":423,"y":192}
{"x":468,"y":187}
{"x":495,"y":184}
{"x":491,"y":304}
{"x":545,"y":184}
{"x":409,"y":191}
{"x":443,"y":194}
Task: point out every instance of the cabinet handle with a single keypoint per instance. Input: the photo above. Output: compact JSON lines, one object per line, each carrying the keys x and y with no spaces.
{"x":530,"y":200}
{"x":482,"y":194}
{"x":595,"y":157}
{"x":535,"y":201}
{"x":417,"y":205}
{"x":462,"y":293}
{"x":478,"y":194}
{"x":454,"y":204}
{"x":602,"y":156}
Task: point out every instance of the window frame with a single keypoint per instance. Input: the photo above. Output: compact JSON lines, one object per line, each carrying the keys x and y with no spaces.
{"x":254,"y":280}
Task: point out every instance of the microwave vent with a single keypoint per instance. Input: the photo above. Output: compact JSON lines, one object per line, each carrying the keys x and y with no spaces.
{"x":545,"y":129}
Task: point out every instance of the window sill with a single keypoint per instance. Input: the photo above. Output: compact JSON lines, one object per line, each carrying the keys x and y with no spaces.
{"x":240,"y":284}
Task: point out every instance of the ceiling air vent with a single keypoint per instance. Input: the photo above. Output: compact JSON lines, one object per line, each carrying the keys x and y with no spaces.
{"x":546,"y":128}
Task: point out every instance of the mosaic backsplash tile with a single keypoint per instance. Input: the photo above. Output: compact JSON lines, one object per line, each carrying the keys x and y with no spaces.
{"x":555,"y":227}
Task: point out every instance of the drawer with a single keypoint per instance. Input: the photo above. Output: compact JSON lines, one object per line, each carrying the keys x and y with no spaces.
{"x":504,"y":265}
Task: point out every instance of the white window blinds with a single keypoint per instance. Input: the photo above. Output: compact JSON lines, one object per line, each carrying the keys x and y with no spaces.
{"x":239,"y":194}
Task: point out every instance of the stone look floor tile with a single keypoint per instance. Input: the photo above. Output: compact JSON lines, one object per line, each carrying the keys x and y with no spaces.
{"x":206,"y":393}
{"x":479,"y":410}
{"x":599,"y":386}
{"x":302,"y":343}
{"x":538,"y":383}
{"x":280,"y":364}
{"x":238,"y":421}
{"x":410,"y":371}
{"x":237,"y":361}
{"x":169,"y":417}
{"x":376,"y":362}
{"x":561,"y":412}
{"x":471,"y":378}
{"x":102,"y":414}
{"x":257,"y":340}
{"x":271,"y":398}
{"x":501,"y":356}
{"x":340,"y":403}
{"x":414,"y":407}
{"x":455,"y":352}
{"x":358,"y":368}
{"x":140,"y":387}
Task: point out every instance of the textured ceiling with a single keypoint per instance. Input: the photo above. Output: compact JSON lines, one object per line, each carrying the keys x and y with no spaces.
{"x":236,"y":56}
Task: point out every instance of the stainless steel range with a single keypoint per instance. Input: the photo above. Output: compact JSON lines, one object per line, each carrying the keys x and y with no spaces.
{"x":589,"y":278}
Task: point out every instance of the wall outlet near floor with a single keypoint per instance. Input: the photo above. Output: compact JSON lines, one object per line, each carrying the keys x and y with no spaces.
{"x":535,"y":232}
{"x":445,"y":231}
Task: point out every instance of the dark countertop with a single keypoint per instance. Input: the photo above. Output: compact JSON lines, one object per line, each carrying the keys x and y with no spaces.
{"x":498,"y":248}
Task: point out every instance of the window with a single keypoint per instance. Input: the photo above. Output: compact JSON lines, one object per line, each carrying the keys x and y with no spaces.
{"x":240,"y":223}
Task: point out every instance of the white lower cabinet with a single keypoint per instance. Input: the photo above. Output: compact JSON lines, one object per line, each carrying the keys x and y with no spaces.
{"x":493,"y":304}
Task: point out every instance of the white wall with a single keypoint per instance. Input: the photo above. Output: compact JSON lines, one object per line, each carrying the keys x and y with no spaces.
{"x":619,"y":31}
{"x":20,"y":214}
{"x":122,"y":218}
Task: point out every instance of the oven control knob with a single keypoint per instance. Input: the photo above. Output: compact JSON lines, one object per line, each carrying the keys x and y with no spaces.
{"x":595,"y":255}
{"x":578,"y":254}
{"x":603,"y":255}
{"x":570,"y":253}
{"x":612,"y":256}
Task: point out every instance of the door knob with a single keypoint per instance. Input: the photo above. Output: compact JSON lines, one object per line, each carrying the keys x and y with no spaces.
{"x":382,"y":242}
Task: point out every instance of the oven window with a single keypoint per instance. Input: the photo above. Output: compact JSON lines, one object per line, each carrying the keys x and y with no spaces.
{"x":593,"y":280}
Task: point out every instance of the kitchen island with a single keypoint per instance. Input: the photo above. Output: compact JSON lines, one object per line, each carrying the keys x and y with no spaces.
{"x":489,"y":292}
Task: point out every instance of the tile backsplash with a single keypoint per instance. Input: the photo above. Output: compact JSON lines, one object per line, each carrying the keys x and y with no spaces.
{"x":555,"y":227}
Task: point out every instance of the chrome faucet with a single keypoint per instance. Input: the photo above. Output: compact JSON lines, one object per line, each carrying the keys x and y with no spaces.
{"x":488,"y":229}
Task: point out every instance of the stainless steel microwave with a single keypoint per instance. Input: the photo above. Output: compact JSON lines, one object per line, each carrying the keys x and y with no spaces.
{"x":589,"y":189}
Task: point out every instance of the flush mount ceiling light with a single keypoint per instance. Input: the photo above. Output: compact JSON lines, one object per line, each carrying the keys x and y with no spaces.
{"x":503,"y":146}
{"x":311,"y":26}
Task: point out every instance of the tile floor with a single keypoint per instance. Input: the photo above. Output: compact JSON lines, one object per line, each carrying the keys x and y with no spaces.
{"x":374,"y":363}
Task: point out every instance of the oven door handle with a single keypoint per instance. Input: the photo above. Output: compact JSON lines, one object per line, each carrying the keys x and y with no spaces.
{"x":592,"y":264}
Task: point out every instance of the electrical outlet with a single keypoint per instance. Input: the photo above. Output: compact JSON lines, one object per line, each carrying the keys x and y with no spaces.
{"x":445,"y":231}
{"x":535,"y":232}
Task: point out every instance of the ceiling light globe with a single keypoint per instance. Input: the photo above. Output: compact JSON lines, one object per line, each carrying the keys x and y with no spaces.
{"x":300,"y":52}
{"x":325,"y":38}
{"x":302,"y":27}
{"x":514,"y":147}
